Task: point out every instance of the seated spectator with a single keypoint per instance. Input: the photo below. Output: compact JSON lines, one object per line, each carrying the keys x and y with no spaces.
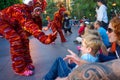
{"x":113,"y":32}
{"x":89,"y":48}
{"x":82,"y":28}
{"x":82,"y":31}
{"x":102,"y":32}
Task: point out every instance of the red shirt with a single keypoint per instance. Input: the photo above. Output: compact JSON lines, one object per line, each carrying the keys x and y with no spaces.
{"x":81,"y":30}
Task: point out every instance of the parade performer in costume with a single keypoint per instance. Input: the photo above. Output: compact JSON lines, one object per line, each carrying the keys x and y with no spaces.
{"x":15,"y":23}
{"x":56,"y":23}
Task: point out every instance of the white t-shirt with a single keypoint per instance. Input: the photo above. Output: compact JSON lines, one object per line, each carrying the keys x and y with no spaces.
{"x":102,"y":14}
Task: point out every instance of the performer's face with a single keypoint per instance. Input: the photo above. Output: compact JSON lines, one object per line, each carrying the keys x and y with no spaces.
{"x":37,"y":11}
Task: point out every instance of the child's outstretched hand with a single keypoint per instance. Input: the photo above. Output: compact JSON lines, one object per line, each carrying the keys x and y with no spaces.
{"x":72,"y":57}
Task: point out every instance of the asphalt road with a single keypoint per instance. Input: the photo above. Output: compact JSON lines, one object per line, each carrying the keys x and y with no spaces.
{"x":43,"y":56}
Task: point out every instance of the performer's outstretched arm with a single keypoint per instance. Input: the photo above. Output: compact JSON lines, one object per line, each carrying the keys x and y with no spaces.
{"x":33,"y":28}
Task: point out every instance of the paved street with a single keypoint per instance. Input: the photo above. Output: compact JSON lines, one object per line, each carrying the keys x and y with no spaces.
{"x":43,"y":56}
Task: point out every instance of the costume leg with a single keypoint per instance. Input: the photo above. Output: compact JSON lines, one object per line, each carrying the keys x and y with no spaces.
{"x":25,"y":41}
{"x":16,"y":47}
{"x":59,"y":69}
{"x":61,"y":35}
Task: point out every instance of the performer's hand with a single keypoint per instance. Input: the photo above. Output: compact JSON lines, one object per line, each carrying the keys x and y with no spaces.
{"x":47,"y":39}
{"x":45,"y":28}
{"x":51,"y":37}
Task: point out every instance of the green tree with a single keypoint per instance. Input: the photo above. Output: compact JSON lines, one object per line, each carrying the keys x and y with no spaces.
{"x":50,"y":10}
{"x":83,"y":8}
{"x":87,"y":8}
{"x":6,"y":3}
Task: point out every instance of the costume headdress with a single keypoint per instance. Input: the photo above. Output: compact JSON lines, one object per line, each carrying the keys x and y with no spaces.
{"x":62,"y":8}
{"x":37,"y":3}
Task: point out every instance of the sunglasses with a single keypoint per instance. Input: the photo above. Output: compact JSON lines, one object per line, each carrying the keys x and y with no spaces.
{"x":110,"y":30}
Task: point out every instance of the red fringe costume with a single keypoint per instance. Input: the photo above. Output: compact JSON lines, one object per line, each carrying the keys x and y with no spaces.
{"x":56,"y":23}
{"x":15,"y":23}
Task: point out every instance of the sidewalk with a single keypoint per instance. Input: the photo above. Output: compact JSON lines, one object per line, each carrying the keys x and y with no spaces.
{"x":43,"y":56}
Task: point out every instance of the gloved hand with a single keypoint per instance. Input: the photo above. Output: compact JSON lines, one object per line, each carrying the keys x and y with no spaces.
{"x":47,"y":39}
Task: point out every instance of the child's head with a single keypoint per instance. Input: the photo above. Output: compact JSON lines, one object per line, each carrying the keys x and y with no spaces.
{"x":97,"y":24}
{"x":89,"y":27}
{"x":91,"y":31}
{"x":91,"y":43}
{"x":93,"y":40}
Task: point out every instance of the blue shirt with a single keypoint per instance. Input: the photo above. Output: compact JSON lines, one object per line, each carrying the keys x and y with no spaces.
{"x":104,"y":36}
{"x":89,"y":58}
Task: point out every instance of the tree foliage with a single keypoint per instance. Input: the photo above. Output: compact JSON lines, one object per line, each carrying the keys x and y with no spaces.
{"x":51,"y":9}
{"x":83,"y":8}
{"x":6,"y":3}
{"x":87,"y":8}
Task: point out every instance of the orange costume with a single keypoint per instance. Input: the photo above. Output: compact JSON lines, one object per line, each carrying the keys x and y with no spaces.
{"x":56,"y":23}
{"x":15,"y":23}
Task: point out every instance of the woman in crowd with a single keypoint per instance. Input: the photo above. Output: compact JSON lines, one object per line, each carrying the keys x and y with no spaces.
{"x":113,"y":32}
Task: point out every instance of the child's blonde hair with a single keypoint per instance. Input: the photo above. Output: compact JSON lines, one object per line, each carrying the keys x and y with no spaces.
{"x":94,"y":41}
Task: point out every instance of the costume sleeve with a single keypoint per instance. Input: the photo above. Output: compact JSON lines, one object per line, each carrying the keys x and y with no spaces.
{"x":32,"y":28}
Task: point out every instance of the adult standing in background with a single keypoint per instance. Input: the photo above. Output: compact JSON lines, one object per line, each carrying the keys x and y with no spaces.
{"x":66,"y":24}
{"x":102,"y":13}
